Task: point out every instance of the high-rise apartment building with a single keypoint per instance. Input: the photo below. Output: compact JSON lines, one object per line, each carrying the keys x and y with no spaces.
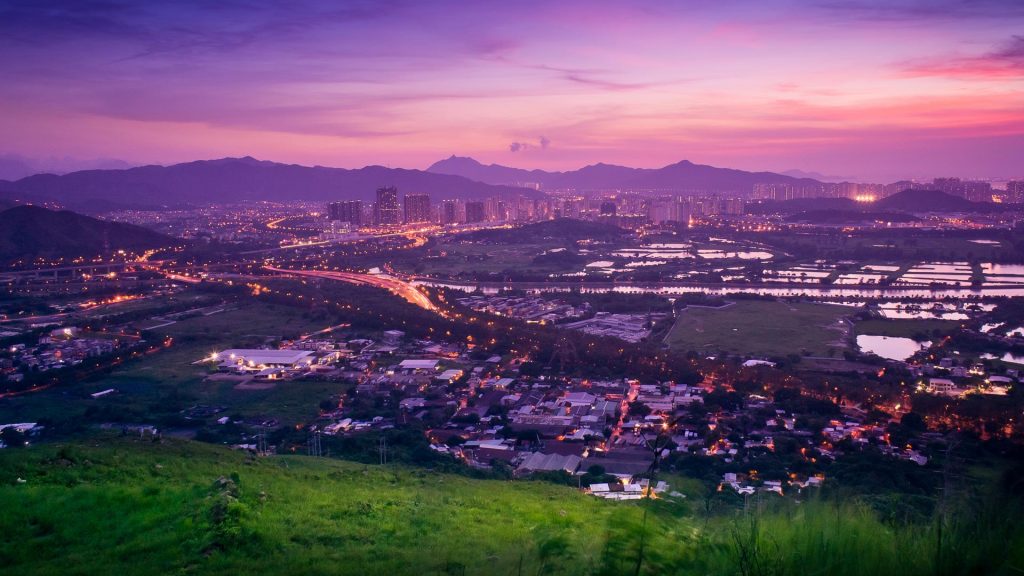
{"x":417,"y":208}
{"x":386,"y":211}
{"x":450,"y":212}
{"x":476,"y":211}
{"x":1015,"y":191}
{"x":350,"y":211}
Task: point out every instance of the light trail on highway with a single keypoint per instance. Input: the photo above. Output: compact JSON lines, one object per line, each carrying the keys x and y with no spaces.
{"x":396,"y":286}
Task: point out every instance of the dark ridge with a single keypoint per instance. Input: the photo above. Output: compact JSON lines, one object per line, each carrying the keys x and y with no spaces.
{"x":31,"y":232}
{"x":678,"y":177}
{"x":241,"y":179}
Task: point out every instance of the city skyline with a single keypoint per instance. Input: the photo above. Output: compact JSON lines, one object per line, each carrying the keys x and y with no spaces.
{"x":866,"y":91}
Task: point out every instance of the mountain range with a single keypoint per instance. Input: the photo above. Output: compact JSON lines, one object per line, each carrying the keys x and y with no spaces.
{"x":16,"y":166}
{"x":679,"y":177}
{"x":234,"y":180}
{"x":247,"y":179}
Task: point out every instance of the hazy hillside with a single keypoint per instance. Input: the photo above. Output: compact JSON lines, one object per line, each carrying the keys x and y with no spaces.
{"x":237,"y":179}
{"x":31,"y":231}
{"x":14,"y":166}
{"x":800,"y":205}
{"x":907,"y":201}
{"x":931,"y":201}
{"x":678,"y":177}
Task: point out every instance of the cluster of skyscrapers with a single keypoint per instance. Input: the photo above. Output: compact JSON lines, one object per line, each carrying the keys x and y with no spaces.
{"x":386,"y":211}
{"x":627,"y":209}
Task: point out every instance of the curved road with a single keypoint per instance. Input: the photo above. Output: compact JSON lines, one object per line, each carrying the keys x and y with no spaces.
{"x":398,"y":287}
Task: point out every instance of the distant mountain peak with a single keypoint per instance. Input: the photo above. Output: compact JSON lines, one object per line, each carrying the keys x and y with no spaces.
{"x":682,"y":176}
{"x":795,"y":173}
{"x":682,"y":163}
{"x":249,"y":160}
{"x":454,"y":162}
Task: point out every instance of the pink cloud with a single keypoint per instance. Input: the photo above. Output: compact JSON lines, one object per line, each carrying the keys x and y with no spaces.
{"x":1007,"y":61}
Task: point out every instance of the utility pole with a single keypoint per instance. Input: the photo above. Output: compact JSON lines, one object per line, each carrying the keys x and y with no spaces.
{"x":313,"y":444}
{"x":661,"y":440}
{"x":261,"y":442}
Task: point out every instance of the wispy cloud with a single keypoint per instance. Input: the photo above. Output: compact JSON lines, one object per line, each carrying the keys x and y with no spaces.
{"x":1005,"y":61}
{"x":397,"y":80}
{"x":922,"y":10}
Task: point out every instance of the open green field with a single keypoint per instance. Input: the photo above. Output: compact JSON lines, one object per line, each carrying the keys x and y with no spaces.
{"x":459,"y":258}
{"x":761,"y":328}
{"x":166,"y":382}
{"x":111,"y":505}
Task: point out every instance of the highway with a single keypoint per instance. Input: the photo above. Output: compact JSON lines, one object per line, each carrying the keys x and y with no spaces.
{"x":398,"y":287}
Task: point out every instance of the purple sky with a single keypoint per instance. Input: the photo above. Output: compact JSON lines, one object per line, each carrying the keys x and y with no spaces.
{"x":875,"y":90}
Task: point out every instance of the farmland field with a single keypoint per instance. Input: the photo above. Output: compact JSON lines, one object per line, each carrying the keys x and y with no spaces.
{"x":761,"y":328}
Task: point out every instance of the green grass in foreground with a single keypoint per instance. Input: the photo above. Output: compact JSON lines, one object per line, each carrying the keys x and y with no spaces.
{"x":110,"y":505}
{"x":761,"y":327}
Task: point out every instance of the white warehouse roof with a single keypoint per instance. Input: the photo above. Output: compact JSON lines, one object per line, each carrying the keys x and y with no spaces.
{"x":418,"y":364}
{"x":265,"y":357}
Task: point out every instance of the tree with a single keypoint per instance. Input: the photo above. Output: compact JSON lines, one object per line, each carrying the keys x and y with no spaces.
{"x":531,"y":368}
{"x":639,"y":409}
{"x":913,"y":422}
{"x":12,"y":437}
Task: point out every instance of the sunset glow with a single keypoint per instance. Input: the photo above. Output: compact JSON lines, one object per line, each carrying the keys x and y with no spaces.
{"x":870,"y":90}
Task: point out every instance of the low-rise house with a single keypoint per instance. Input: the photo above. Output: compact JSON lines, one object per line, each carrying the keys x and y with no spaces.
{"x":617,"y":491}
{"x":540,"y":462}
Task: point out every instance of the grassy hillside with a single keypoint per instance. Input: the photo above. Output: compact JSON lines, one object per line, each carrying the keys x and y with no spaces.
{"x":113,"y":505}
